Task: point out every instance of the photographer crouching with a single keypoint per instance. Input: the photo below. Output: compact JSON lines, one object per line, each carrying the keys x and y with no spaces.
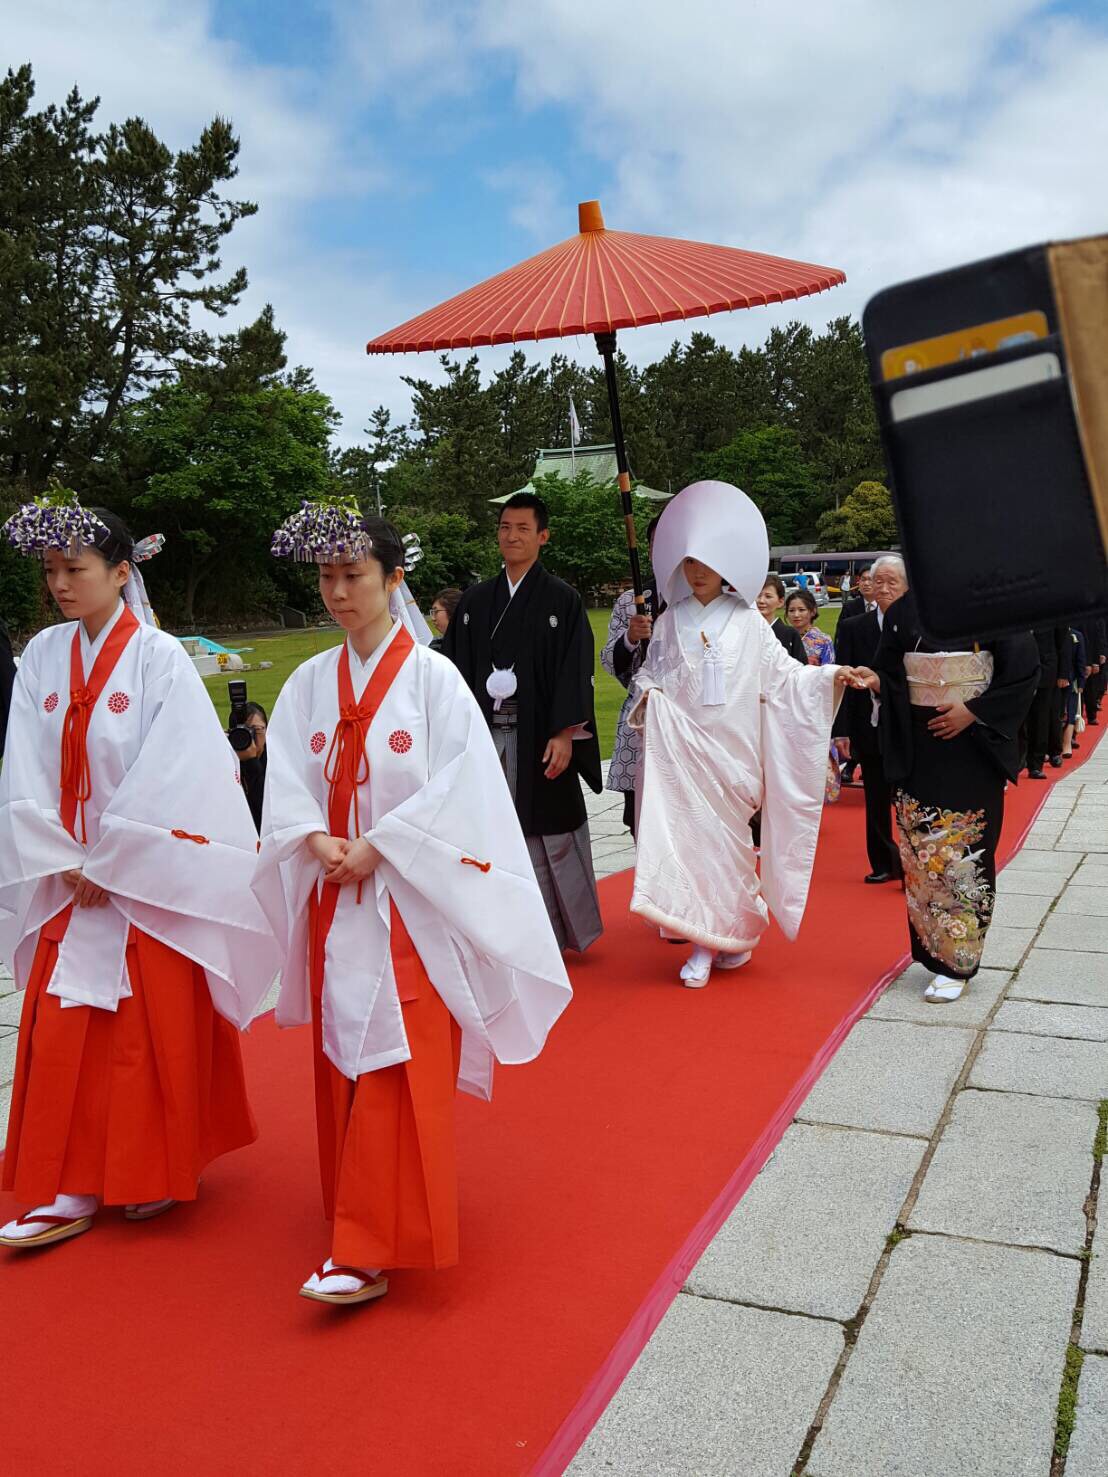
{"x":246,"y":729}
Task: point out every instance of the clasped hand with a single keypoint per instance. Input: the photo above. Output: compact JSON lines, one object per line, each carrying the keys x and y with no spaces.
{"x":86,"y":894}
{"x":343,"y":861}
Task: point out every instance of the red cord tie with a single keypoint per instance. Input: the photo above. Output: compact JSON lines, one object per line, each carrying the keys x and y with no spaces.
{"x":186,"y":836}
{"x":469,"y":861}
{"x":75,"y":773}
{"x":348,"y":752}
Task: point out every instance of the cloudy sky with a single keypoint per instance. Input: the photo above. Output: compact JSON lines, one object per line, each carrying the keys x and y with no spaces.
{"x":401,"y":151}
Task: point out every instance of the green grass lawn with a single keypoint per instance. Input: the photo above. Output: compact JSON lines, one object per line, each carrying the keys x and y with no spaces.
{"x":286,"y":652}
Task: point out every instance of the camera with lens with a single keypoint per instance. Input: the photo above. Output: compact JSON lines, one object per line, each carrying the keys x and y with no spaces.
{"x":238,"y":734}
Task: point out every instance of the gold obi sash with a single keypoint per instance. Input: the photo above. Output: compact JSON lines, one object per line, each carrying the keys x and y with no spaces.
{"x":936,"y":677}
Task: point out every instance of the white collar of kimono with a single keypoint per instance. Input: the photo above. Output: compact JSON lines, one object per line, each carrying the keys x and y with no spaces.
{"x":90,"y":650}
{"x":361,"y":672}
{"x":719,"y":525}
{"x":694,"y":618}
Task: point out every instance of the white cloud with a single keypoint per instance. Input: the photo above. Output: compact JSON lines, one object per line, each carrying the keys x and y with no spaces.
{"x":883,"y":137}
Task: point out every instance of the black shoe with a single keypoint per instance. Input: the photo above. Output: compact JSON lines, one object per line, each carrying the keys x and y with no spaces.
{"x":875,"y":877}
{"x":1055,"y":761}
{"x":1035,"y":774}
{"x":1093,"y":722}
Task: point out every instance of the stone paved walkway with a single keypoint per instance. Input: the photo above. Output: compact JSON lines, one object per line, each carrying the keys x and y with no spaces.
{"x":898,"y":1290}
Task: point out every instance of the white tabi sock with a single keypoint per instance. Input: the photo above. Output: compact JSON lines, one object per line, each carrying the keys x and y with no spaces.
{"x":70,"y":1206}
{"x":732,"y":961}
{"x":697,"y":967}
{"x":944,"y":991}
{"x":336,"y":1282}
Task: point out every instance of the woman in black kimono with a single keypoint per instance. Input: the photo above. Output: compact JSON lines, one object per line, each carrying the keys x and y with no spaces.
{"x":949,"y":724}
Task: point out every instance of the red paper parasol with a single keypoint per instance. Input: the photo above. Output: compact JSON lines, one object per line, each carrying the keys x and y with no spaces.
{"x":600,"y":281}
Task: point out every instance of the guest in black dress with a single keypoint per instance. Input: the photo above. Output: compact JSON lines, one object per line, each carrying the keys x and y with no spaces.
{"x":950,"y":724}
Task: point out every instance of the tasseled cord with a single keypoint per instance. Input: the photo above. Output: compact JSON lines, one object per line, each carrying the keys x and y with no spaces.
{"x":711,"y":692}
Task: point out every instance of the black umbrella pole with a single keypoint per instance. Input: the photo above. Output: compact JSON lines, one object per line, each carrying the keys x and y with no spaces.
{"x":606,"y":344}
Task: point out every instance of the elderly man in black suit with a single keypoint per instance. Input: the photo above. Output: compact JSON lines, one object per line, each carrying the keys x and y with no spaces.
{"x":856,"y":642}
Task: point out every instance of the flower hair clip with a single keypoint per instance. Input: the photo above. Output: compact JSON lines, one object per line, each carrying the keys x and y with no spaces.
{"x":55,"y":520}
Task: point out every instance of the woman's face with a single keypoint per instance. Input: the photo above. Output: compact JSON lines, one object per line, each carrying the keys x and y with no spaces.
{"x":257,"y":726}
{"x":357,"y":594}
{"x":440,"y":617}
{"x":799,"y":615}
{"x":705,"y":583}
{"x":768,"y":602}
{"x":84,"y":587}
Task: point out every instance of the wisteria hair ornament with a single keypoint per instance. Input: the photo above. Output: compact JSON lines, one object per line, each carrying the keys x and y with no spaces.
{"x":323,"y":532}
{"x":55,"y":520}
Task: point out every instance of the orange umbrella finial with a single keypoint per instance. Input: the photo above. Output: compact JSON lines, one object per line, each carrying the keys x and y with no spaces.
{"x":589,"y":216}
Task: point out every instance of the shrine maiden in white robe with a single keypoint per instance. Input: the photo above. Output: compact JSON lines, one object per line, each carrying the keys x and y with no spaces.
{"x":760,"y":744}
{"x":454,"y":863}
{"x":165,"y":831}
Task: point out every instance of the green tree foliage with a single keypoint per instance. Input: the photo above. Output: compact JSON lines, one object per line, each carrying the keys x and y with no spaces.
{"x":865,"y":520}
{"x":109,"y":242}
{"x":769,"y":466}
{"x":588,"y":544}
{"x":22,"y":587}
{"x":221,"y":458}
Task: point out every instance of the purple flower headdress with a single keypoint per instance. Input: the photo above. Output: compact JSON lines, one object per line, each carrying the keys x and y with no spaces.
{"x":323,"y":532}
{"x":56,"y":520}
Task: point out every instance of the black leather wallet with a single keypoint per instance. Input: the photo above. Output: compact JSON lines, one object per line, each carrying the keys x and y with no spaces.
{"x":992,"y":472}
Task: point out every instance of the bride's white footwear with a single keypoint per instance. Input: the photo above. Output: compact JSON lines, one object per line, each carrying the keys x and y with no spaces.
{"x":697,"y":968}
{"x":944,"y":991}
{"x":732,"y":961}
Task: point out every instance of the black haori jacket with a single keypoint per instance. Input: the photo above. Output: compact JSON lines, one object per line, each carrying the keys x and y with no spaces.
{"x":1000,"y":709}
{"x":546,"y":637}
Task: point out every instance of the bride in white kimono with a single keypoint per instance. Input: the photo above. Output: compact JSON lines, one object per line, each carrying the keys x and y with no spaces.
{"x":731,"y":723}
{"x":398,"y":881}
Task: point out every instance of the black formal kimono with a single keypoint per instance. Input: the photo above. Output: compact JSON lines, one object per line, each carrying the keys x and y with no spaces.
{"x":7,"y":682}
{"x":542,"y":635}
{"x":949,"y":793}
{"x":853,"y":605}
{"x":856,"y":643}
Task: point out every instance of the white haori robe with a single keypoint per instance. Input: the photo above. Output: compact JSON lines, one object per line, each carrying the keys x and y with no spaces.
{"x":454,"y":863}
{"x":167,"y":829}
{"x":761,"y":743}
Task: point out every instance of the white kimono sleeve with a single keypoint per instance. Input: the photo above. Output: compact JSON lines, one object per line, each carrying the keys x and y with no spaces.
{"x":286,"y":874}
{"x":456,"y":862}
{"x":177,"y":845}
{"x":798,"y":707}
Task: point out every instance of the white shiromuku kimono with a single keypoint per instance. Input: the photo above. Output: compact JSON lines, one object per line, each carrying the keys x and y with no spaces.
{"x":165,"y":829}
{"x":761,"y":743}
{"x":433,"y":801}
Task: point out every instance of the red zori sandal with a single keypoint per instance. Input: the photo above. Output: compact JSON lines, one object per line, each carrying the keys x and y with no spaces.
{"x":57,"y":1228}
{"x":372,"y":1287}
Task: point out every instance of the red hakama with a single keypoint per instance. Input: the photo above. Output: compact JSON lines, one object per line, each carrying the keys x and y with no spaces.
{"x":386,"y":1141}
{"x":127,"y":1105}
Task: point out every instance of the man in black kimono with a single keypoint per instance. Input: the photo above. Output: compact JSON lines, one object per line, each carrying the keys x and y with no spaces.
{"x":523,"y":643}
{"x":856,"y":641}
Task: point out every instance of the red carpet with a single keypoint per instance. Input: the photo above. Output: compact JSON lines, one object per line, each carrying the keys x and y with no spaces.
{"x":591,"y":1182}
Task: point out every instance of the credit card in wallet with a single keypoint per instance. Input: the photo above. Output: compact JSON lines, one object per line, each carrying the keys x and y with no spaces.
{"x":977,"y":384}
{"x":963,"y":343}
